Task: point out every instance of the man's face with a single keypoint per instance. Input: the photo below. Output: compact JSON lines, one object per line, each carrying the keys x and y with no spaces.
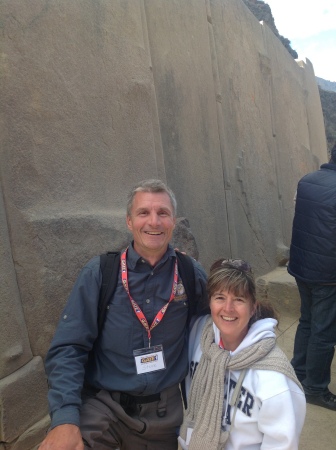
{"x":152,"y":223}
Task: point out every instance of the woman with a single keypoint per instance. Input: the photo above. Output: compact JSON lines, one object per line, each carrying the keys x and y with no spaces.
{"x":244,"y":393}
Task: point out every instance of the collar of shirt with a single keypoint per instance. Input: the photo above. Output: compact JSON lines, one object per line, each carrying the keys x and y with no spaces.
{"x":133,"y":258}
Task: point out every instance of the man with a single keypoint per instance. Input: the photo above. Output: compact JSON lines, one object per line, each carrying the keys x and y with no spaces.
{"x":312,"y":262}
{"x":131,"y":397}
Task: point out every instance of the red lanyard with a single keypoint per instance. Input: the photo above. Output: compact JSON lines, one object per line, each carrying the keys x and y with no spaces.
{"x":140,"y":315}
{"x":220,"y":344}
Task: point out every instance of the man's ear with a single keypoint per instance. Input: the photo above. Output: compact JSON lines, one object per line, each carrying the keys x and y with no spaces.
{"x":129,"y":222}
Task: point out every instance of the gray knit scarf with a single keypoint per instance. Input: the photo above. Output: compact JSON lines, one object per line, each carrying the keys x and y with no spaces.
{"x":206,"y":398}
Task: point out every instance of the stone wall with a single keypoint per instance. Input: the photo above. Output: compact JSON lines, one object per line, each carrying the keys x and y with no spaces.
{"x":97,"y":95}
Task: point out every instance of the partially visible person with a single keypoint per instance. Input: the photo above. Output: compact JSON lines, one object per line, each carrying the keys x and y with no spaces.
{"x":242,"y":390}
{"x":118,"y":387}
{"x":312,"y":262}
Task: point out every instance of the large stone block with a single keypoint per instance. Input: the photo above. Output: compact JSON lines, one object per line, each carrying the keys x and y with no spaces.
{"x":23,"y":400}
{"x":316,"y":126}
{"x":183,"y":238}
{"x":247,"y":141}
{"x":179,"y":44}
{"x":14,"y":343}
{"x":77,"y":103}
{"x":279,"y":288}
{"x":32,"y":437}
{"x":50,"y":255}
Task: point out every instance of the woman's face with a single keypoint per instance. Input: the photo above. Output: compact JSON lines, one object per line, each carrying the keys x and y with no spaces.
{"x":231,"y":315}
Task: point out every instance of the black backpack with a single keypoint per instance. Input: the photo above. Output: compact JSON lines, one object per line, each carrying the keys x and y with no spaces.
{"x":109,"y":266}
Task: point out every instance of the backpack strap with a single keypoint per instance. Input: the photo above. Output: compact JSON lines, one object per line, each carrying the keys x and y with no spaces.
{"x":109,"y":266}
{"x":187,"y":272}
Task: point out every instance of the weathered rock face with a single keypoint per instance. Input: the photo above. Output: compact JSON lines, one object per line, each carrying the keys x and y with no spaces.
{"x":262,"y":11}
{"x":98,"y":95}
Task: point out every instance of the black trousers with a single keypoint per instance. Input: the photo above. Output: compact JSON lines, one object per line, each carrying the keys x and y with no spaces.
{"x":315,"y":338}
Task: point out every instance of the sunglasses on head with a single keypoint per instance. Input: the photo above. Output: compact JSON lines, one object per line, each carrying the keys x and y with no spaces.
{"x":239,"y":264}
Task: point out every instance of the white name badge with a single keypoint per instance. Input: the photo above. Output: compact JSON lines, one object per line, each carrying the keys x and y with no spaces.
{"x":149,"y":359}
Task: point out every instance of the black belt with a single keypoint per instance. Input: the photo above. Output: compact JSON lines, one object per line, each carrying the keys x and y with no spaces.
{"x":127,"y":399}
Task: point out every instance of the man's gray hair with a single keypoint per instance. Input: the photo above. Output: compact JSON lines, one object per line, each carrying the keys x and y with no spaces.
{"x":153,"y":186}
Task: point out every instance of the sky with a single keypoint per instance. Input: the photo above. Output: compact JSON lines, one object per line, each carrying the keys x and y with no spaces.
{"x":310,"y":25}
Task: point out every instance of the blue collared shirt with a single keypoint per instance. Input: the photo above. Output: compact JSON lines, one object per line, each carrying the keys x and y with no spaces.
{"x":113,"y":365}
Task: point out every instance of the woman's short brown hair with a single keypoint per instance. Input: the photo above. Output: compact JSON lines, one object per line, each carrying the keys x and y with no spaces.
{"x":240,"y":282}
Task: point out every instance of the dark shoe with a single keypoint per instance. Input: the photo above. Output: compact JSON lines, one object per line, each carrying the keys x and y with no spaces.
{"x":327,"y":400}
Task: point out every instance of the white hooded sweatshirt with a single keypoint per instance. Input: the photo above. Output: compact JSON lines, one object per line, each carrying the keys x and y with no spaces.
{"x":271,"y":410}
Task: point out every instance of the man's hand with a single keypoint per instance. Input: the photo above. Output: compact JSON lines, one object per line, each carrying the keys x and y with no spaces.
{"x":63,"y":437}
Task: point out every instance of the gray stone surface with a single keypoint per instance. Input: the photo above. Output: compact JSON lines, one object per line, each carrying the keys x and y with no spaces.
{"x":279,"y":288}
{"x":23,"y":400}
{"x":183,"y":238}
{"x":32,"y":437}
{"x":186,"y":102}
{"x":247,"y":142}
{"x":54,"y":248}
{"x":98,"y":95}
{"x":14,"y":342}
